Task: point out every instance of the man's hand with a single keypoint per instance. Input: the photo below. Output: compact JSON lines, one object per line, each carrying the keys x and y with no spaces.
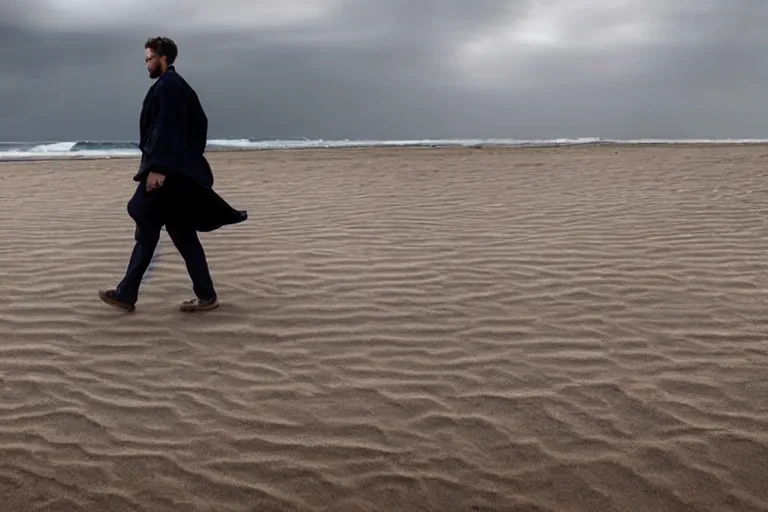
{"x":154,"y":180}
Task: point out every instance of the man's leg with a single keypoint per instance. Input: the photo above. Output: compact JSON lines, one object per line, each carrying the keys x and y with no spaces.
{"x":188,"y":244}
{"x":127,"y":292}
{"x":148,"y":210}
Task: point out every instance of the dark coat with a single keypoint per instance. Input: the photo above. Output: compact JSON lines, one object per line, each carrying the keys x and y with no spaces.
{"x":173,"y":136}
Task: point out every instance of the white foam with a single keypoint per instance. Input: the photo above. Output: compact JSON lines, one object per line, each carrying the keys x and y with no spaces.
{"x":59,"y":151}
{"x":56,"y":147}
{"x":347,"y":143}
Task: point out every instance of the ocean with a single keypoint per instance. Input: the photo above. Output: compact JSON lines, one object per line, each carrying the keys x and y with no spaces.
{"x":116,"y":149}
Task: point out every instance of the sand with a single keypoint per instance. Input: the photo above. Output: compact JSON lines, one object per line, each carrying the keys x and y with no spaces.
{"x":473,"y":330}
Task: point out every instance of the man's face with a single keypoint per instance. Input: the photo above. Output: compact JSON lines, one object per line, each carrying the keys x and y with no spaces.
{"x":154,"y":63}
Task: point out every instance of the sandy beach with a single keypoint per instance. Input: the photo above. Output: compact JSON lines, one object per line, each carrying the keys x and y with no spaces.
{"x":560,"y":329}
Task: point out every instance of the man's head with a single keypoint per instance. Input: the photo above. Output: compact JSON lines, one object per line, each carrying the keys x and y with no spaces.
{"x":159,"y":53}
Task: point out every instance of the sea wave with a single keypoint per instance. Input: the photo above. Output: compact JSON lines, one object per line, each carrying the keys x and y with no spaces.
{"x":111,"y":149}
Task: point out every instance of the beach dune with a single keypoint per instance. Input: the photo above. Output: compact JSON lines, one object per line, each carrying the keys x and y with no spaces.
{"x":543,"y":329}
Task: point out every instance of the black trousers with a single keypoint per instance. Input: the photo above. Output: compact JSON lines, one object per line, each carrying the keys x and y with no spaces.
{"x":151,"y":211}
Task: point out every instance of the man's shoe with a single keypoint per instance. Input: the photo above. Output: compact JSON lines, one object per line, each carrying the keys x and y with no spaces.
{"x":194,"y":305}
{"x":110,"y":297}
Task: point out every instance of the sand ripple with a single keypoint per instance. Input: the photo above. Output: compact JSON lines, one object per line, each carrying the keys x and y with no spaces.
{"x":450,"y":330}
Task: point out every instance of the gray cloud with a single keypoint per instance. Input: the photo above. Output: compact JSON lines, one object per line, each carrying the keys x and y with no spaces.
{"x":365,"y":69}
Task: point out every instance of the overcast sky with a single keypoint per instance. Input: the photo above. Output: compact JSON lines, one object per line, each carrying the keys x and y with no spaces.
{"x":74,"y":69}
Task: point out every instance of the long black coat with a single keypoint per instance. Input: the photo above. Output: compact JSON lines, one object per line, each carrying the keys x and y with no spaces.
{"x":173,"y":135}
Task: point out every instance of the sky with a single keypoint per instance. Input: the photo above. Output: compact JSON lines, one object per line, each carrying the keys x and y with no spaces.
{"x":393,"y":69}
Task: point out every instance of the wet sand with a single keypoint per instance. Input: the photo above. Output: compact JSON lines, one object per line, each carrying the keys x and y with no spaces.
{"x":564,"y":329}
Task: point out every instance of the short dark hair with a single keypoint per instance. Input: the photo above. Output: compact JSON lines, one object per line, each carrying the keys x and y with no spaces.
{"x":164,"y":47}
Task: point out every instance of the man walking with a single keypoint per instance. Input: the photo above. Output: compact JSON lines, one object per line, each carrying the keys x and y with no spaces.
{"x":175,"y":187}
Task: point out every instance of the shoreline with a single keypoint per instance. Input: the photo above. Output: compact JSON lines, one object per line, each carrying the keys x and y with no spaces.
{"x":469,"y":148}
